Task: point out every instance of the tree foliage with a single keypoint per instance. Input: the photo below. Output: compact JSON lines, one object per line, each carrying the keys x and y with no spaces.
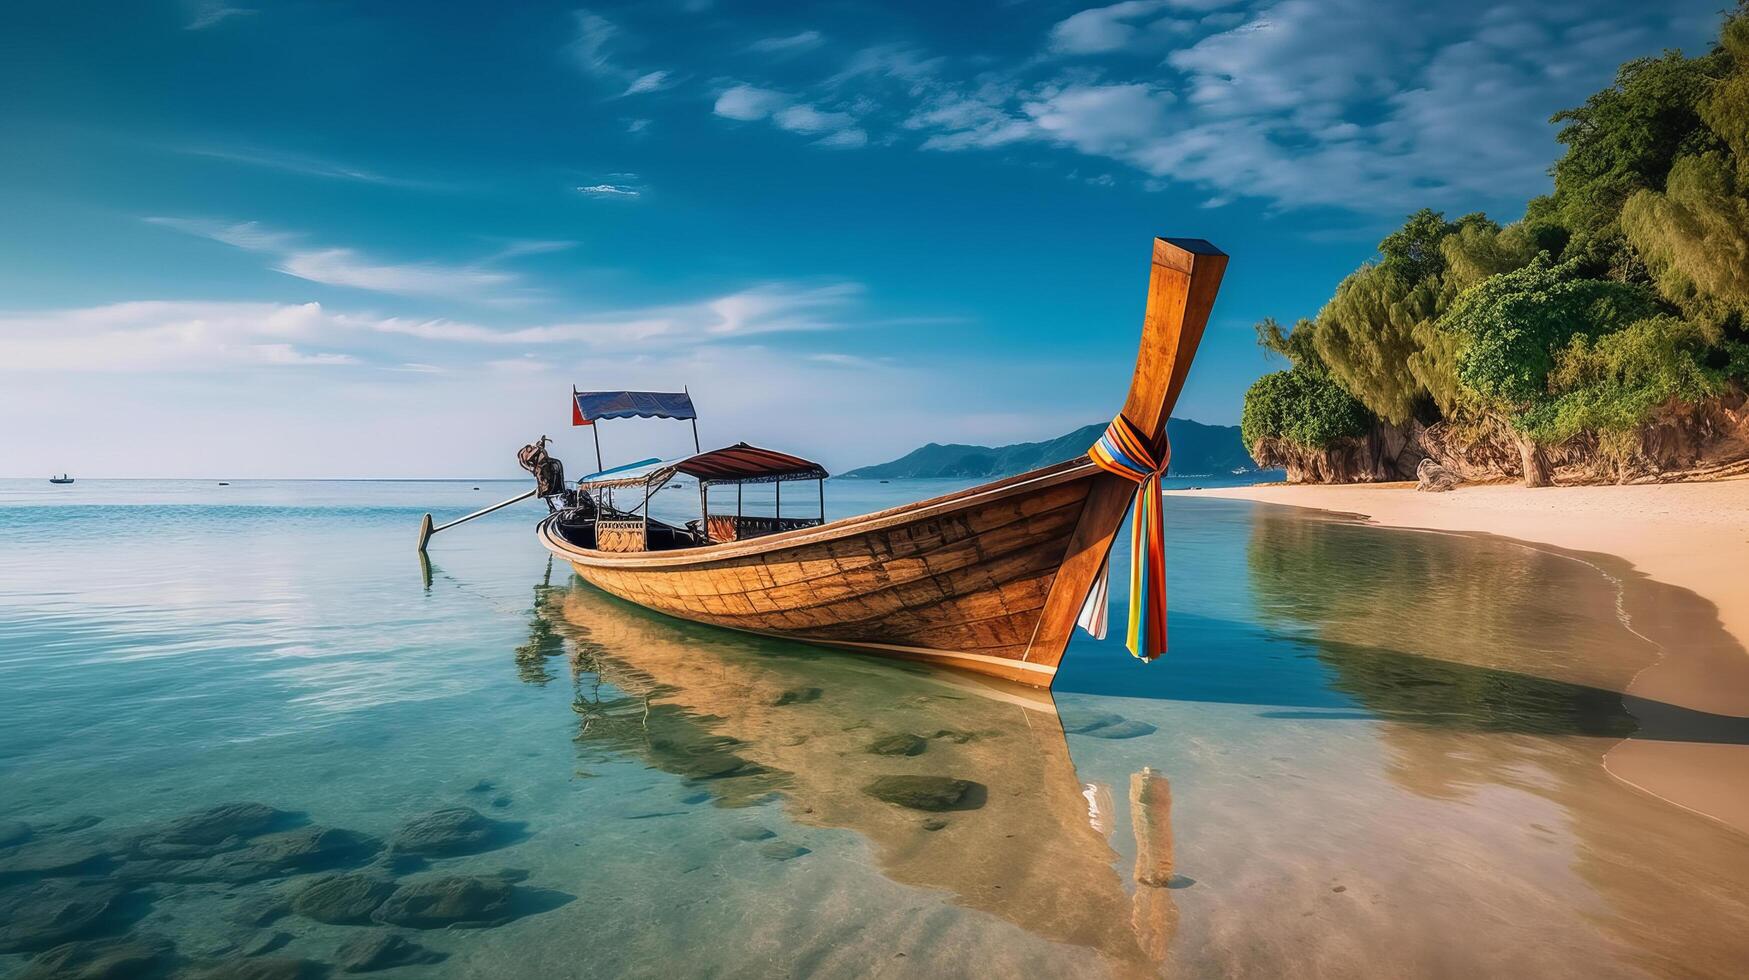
{"x":1623,"y":290}
{"x":1302,"y":405}
{"x":1514,"y":323}
{"x":1624,"y":139}
{"x":1694,"y":236}
{"x":1609,"y":384}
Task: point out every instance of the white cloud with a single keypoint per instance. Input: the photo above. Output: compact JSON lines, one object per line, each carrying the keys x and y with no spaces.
{"x":197,"y":336}
{"x":789,"y":44}
{"x":1304,"y":102}
{"x":596,"y":47}
{"x":609,"y":190}
{"x":1103,"y":120}
{"x":590,"y":46}
{"x":203,"y":14}
{"x":809,"y":120}
{"x":893,"y":61}
{"x":348,"y":268}
{"x":653,"y":81}
{"x":248,"y":235}
{"x":748,"y":102}
{"x":165,"y":336}
{"x":299,"y":164}
{"x":844,"y":139}
{"x":345,"y":267}
{"x":1102,"y":29}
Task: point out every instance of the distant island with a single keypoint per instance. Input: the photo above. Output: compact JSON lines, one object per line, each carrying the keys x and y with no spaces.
{"x":1197,"y":450}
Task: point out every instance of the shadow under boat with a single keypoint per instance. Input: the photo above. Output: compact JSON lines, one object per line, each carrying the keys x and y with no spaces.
{"x":958,"y":782}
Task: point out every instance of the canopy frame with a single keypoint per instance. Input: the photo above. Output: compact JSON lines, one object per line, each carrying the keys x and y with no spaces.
{"x":738,"y":464}
{"x":631,"y":404}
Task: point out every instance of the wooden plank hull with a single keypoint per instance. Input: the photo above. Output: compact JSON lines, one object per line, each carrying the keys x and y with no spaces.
{"x":961,"y":580}
{"x":987,"y":580}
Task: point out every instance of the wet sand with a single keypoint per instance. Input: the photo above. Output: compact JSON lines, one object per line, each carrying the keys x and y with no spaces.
{"x":1676,"y":551}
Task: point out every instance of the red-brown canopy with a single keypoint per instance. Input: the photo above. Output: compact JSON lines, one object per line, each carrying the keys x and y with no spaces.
{"x":742,"y":463}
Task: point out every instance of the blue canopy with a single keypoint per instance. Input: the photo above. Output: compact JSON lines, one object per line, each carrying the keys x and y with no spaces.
{"x":592,"y":405}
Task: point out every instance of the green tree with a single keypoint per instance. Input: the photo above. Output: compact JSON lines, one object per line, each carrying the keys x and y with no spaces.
{"x":1303,"y":405}
{"x":1694,"y":237}
{"x":1366,"y":334}
{"x":1693,"y":233}
{"x":1515,"y":323}
{"x":1611,"y":384}
{"x":1623,"y":140}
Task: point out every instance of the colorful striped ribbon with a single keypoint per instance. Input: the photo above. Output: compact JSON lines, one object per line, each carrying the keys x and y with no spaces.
{"x":1124,"y":450}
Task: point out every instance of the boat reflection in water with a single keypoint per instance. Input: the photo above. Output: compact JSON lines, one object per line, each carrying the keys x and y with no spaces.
{"x":746,"y":719}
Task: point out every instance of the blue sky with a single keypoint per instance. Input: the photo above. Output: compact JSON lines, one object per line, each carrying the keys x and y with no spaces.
{"x":318,"y":239}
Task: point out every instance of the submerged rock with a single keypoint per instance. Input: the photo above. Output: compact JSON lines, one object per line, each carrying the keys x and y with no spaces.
{"x":260,"y":910}
{"x":1104,"y":724}
{"x":99,"y":959}
{"x":898,"y":743}
{"x":215,"y":825}
{"x":954,"y":735}
{"x":797,"y":695}
{"x":13,"y":832}
{"x":782,"y":850}
{"x":275,"y":855}
{"x":752,"y":833}
{"x":264,"y":942}
{"x":447,"y":832}
{"x":309,"y":848}
{"x":930,"y":793}
{"x":51,"y":857}
{"x":380,"y":950}
{"x":262,"y":968}
{"x":50,"y":913}
{"x":715,"y":765}
{"x":342,"y":899}
{"x":69,"y":825}
{"x":1128,"y":728}
{"x":452,"y":900}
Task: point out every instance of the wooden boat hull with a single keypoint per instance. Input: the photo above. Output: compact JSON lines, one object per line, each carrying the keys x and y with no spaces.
{"x":988,"y":580}
{"x":962,"y":580}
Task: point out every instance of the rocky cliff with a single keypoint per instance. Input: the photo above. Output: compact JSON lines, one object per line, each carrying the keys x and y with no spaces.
{"x":1682,"y":442}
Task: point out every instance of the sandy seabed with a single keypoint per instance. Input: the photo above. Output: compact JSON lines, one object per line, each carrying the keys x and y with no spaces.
{"x":1680,"y":552}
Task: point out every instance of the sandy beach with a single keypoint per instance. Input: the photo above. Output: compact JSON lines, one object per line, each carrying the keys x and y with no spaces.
{"x":1653,"y":539}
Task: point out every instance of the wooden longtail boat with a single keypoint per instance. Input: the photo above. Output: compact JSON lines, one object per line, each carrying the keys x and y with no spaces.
{"x":989,"y":579}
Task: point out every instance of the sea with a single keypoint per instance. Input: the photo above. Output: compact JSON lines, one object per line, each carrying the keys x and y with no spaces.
{"x":246,"y":731}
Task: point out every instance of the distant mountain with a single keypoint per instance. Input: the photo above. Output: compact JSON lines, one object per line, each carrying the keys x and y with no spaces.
{"x":1197,"y":450}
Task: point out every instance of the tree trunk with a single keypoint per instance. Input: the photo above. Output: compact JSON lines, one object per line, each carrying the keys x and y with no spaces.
{"x":1536,"y":463}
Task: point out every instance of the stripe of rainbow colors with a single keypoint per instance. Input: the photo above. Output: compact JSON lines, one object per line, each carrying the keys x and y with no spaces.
{"x":1123,"y":450}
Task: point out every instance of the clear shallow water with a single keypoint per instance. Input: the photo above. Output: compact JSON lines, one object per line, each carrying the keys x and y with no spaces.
{"x":1368,"y":753}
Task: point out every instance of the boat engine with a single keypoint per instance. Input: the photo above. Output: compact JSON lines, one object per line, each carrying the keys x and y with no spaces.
{"x":549,"y":473}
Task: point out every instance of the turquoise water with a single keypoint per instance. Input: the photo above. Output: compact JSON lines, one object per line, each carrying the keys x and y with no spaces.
{"x":1368,"y":753}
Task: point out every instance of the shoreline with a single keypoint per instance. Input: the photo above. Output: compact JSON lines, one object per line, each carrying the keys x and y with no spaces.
{"x":1677,"y":554}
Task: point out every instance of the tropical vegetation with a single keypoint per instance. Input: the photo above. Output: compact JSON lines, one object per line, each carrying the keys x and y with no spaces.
{"x":1621,"y":295}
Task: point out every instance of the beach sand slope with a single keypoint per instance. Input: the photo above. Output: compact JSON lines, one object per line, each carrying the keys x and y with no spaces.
{"x":1691,"y":536}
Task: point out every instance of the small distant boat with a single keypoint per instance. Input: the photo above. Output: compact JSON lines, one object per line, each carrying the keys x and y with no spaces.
{"x":223,"y":483}
{"x":992,"y":579}
{"x":63,"y":478}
